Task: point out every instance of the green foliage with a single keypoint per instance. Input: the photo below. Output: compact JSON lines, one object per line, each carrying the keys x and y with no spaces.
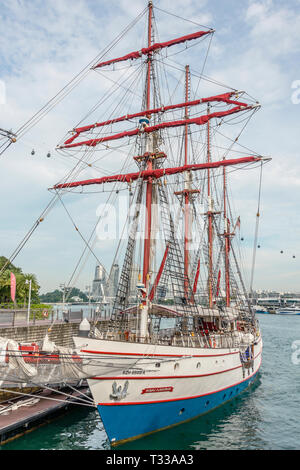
{"x":22,"y":288}
{"x":52,"y":297}
{"x":57,"y":295}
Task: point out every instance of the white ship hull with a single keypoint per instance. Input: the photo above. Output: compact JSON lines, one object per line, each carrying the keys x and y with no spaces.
{"x":145,"y":388}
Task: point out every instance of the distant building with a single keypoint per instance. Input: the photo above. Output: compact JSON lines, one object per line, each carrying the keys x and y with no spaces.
{"x":113,"y":281}
{"x":76,"y":299}
{"x":99,"y":283}
{"x":134,"y":279}
{"x":275,"y":299}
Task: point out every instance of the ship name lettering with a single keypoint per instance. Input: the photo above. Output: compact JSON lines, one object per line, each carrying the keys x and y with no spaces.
{"x":133,"y":371}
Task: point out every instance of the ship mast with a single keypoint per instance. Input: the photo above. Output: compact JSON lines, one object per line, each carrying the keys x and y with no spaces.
{"x":210,"y":221}
{"x":227,"y":241}
{"x":144,"y":306}
{"x":186,"y":194}
{"x":149,"y":165}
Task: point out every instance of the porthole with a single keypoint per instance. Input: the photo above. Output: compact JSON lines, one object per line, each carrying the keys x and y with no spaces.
{"x":224,"y":396}
{"x":181,"y":411}
{"x":207,"y":403}
{"x":198,"y":365}
{"x":176,"y":366}
{"x":157,"y":364}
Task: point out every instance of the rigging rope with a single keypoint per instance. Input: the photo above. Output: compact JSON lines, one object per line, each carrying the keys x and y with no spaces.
{"x":29,"y":233}
{"x":256,"y":230}
{"x":71,"y":84}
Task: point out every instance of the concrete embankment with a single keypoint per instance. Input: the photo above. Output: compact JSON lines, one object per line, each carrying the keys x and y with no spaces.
{"x":60,"y":333}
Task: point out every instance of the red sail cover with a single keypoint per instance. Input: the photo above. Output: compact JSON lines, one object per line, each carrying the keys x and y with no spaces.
{"x":154,"y":47}
{"x":225,"y":98}
{"x":199,"y":121}
{"x":157,"y":173}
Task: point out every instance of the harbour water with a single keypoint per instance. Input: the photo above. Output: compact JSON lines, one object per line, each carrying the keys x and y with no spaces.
{"x":267,"y":416}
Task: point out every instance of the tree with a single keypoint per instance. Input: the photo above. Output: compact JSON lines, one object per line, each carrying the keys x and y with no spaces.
{"x":57,"y":295}
{"x":22,"y":289}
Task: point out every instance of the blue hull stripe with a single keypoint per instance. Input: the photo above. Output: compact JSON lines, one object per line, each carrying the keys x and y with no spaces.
{"x":123,"y":422}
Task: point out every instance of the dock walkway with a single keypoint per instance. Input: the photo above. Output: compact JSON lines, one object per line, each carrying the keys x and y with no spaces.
{"x":29,"y":413}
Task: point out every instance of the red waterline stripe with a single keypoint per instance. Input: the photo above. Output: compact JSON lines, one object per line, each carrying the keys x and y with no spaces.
{"x":179,"y":399}
{"x":126,"y":377}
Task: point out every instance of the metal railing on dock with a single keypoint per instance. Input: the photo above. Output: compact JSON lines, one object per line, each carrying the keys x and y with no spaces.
{"x":19,"y":317}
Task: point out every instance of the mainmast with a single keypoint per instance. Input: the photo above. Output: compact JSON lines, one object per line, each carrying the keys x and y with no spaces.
{"x":144,"y":306}
{"x":149,"y":60}
{"x":149,"y":166}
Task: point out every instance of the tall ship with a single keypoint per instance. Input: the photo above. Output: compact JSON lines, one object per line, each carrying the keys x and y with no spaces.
{"x":182,"y":337}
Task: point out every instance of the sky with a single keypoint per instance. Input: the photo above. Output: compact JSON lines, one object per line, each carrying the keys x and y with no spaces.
{"x":44,"y":44}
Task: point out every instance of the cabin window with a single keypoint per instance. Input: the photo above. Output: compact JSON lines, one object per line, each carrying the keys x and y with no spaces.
{"x":198,"y":365}
{"x":176,"y":366}
{"x":157,"y":364}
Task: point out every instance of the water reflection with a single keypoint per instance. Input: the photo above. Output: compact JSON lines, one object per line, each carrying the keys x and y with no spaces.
{"x":79,"y":429}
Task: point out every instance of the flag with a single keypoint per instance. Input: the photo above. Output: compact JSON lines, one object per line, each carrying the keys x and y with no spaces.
{"x":12,"y":286}
{"x":238,"y":223}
